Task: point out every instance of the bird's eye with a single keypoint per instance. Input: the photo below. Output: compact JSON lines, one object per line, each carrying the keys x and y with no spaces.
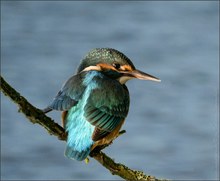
{"x":116,"y":65}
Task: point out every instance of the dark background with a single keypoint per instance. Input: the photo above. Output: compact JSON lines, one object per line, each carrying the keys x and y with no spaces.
{"x":172,"y":126}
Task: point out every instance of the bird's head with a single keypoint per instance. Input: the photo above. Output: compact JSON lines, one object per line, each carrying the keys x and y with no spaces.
{"x":113,"y":64}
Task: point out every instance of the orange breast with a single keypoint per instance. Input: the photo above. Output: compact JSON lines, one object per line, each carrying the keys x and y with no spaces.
{"x":110,"y":137}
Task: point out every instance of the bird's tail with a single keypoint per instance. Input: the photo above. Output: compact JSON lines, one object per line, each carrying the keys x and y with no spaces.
{"x":79,"y":139}
{"x":77,"y":155}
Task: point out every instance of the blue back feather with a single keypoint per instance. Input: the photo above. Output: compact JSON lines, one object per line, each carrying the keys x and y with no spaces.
{"x":79,"y":129}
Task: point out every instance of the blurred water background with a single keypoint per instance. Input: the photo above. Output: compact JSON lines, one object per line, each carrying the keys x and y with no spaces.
{"x":172,"y":126}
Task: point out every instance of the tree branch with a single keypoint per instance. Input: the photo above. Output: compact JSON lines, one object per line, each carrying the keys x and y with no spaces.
{"x":35,"y":115}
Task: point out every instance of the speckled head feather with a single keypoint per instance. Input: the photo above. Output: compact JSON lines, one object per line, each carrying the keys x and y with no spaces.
{"x":104,"y":55}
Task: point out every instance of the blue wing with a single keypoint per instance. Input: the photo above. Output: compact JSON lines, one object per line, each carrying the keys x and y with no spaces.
{"x":107,"y":106}
{"x":69,"y":95}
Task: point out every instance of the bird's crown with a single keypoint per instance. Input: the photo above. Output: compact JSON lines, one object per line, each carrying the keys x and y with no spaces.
{"x":106,"y":57}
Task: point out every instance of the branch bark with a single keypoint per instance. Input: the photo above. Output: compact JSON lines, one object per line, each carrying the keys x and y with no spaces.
{"x":35,"y":115}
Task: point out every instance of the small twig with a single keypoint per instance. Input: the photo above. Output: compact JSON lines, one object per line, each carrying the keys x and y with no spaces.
{"x":35,"y":115}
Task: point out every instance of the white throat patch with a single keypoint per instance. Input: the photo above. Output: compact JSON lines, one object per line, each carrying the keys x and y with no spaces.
{"x":124,"y":79}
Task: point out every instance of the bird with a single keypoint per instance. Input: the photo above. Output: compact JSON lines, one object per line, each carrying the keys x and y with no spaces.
{"x":95,"y":101}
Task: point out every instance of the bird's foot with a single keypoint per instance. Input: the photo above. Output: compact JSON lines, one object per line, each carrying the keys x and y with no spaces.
{"x":87,"y":160}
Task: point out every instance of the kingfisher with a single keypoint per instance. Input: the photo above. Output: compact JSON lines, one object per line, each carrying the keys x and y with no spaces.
{"x":95,"y":101}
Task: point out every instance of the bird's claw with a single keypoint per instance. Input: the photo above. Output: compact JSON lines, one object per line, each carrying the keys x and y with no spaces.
{"x":86,"y":160}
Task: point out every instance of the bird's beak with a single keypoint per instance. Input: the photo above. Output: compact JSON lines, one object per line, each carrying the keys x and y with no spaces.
{"x":142,"y":75}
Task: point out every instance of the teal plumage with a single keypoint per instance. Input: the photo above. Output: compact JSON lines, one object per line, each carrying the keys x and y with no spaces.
{"x":95,"y":100}
{"x":86,"y":110}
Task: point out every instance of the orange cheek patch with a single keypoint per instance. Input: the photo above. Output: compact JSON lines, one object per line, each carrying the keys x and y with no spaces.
{"x":104,"y":66}
{"x":126,"y":67}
